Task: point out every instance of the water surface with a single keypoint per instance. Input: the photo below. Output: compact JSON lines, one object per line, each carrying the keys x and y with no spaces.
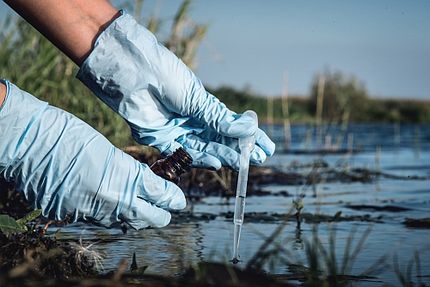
{"x":402,"y":150}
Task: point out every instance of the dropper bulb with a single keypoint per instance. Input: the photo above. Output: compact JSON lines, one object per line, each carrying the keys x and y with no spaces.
{"x":251,"y":114}
{"x":248,"y":142}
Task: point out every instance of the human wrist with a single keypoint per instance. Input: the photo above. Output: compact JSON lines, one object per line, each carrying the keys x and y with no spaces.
{"x":2,"y":93}
{"x":95,"y":26}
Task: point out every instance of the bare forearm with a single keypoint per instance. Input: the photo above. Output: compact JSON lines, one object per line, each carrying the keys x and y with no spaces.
{"x":71,"y":25}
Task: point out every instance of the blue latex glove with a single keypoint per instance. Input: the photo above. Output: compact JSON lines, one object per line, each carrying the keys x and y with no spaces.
{"x":65,"y":167}
{"x":164,"y":103}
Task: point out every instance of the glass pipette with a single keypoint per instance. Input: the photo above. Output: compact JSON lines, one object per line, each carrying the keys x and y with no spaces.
{"x":246,"y":145}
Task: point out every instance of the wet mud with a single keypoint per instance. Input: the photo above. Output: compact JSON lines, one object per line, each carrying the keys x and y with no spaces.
{"x":417,"y":222}
{"x":269,"y":217}
{"x":34,"y":255}
{"x":384,"y":208}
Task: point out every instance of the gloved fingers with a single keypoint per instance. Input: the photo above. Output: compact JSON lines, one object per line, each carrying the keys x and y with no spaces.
{"x":200,"y":159}
{"x":208,"y":109}
{"x":160,"y":192}
{"x":235,"y":125}
{"x":227,"y":156}
{"x":264,"y":142}
{"x":211,"y":154}
{"x":144,"y":214}
{"x":258,"y":156}
{"x":214,"y":152}
{"x":169,"y":148}
{"x":196,"y":147}
{"x":203,"y":159}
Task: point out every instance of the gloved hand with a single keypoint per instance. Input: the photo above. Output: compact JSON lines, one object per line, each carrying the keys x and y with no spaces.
{"x":65,"y":167}
{"x":164,"y":103}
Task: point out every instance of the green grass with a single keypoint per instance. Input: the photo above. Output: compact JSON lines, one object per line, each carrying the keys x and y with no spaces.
{"x":32,"y":63}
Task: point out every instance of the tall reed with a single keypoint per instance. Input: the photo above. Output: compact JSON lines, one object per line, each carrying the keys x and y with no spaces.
{"x":286,"y":115}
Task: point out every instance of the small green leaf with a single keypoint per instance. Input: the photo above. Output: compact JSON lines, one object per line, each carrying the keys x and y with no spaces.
{"x":29,"y":217}
{"x":9,"y":225}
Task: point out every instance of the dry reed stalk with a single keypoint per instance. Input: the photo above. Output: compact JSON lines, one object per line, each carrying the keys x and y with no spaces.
{"x":286,"y":114}
{"x":319,"y":109}
{"x":270,"y":115}
{"x":378,"y":158}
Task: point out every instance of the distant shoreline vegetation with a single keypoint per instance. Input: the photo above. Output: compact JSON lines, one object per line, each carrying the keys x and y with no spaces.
{"x":337,"y":106}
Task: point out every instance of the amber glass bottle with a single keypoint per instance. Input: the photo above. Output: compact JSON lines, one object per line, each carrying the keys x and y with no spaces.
{"x":173,"y":166}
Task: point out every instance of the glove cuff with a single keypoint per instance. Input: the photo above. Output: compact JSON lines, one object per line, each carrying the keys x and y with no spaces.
{"x":119,"y":73}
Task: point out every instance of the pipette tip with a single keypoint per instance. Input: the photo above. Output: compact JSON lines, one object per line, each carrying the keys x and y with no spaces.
{"x":235,"y":260}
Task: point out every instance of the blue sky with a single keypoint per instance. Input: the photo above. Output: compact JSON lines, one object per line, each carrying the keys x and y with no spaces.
{"x":384,"y":43}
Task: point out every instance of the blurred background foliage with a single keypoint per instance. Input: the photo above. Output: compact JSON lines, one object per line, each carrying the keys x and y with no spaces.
{"x":343,"y":97}
{"x":31,"y":62}
{"x":34,"y":64}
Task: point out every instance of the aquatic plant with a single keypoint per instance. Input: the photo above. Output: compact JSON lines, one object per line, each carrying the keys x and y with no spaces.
{"x":9,"y":225}
{"x":405,"y":276}
{"x":298,"y":206}
{"x":270,"y":250}
{"x":322,"y":267}
{"x":325,"y":270}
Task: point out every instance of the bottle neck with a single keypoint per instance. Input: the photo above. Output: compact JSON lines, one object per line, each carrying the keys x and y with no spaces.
{"x":180,"y":160}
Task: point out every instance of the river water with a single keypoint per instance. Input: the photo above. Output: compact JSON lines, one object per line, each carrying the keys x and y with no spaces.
{"x":397,"y":150}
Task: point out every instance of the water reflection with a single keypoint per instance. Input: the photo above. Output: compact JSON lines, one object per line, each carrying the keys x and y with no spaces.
{"x":298,"y":242}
